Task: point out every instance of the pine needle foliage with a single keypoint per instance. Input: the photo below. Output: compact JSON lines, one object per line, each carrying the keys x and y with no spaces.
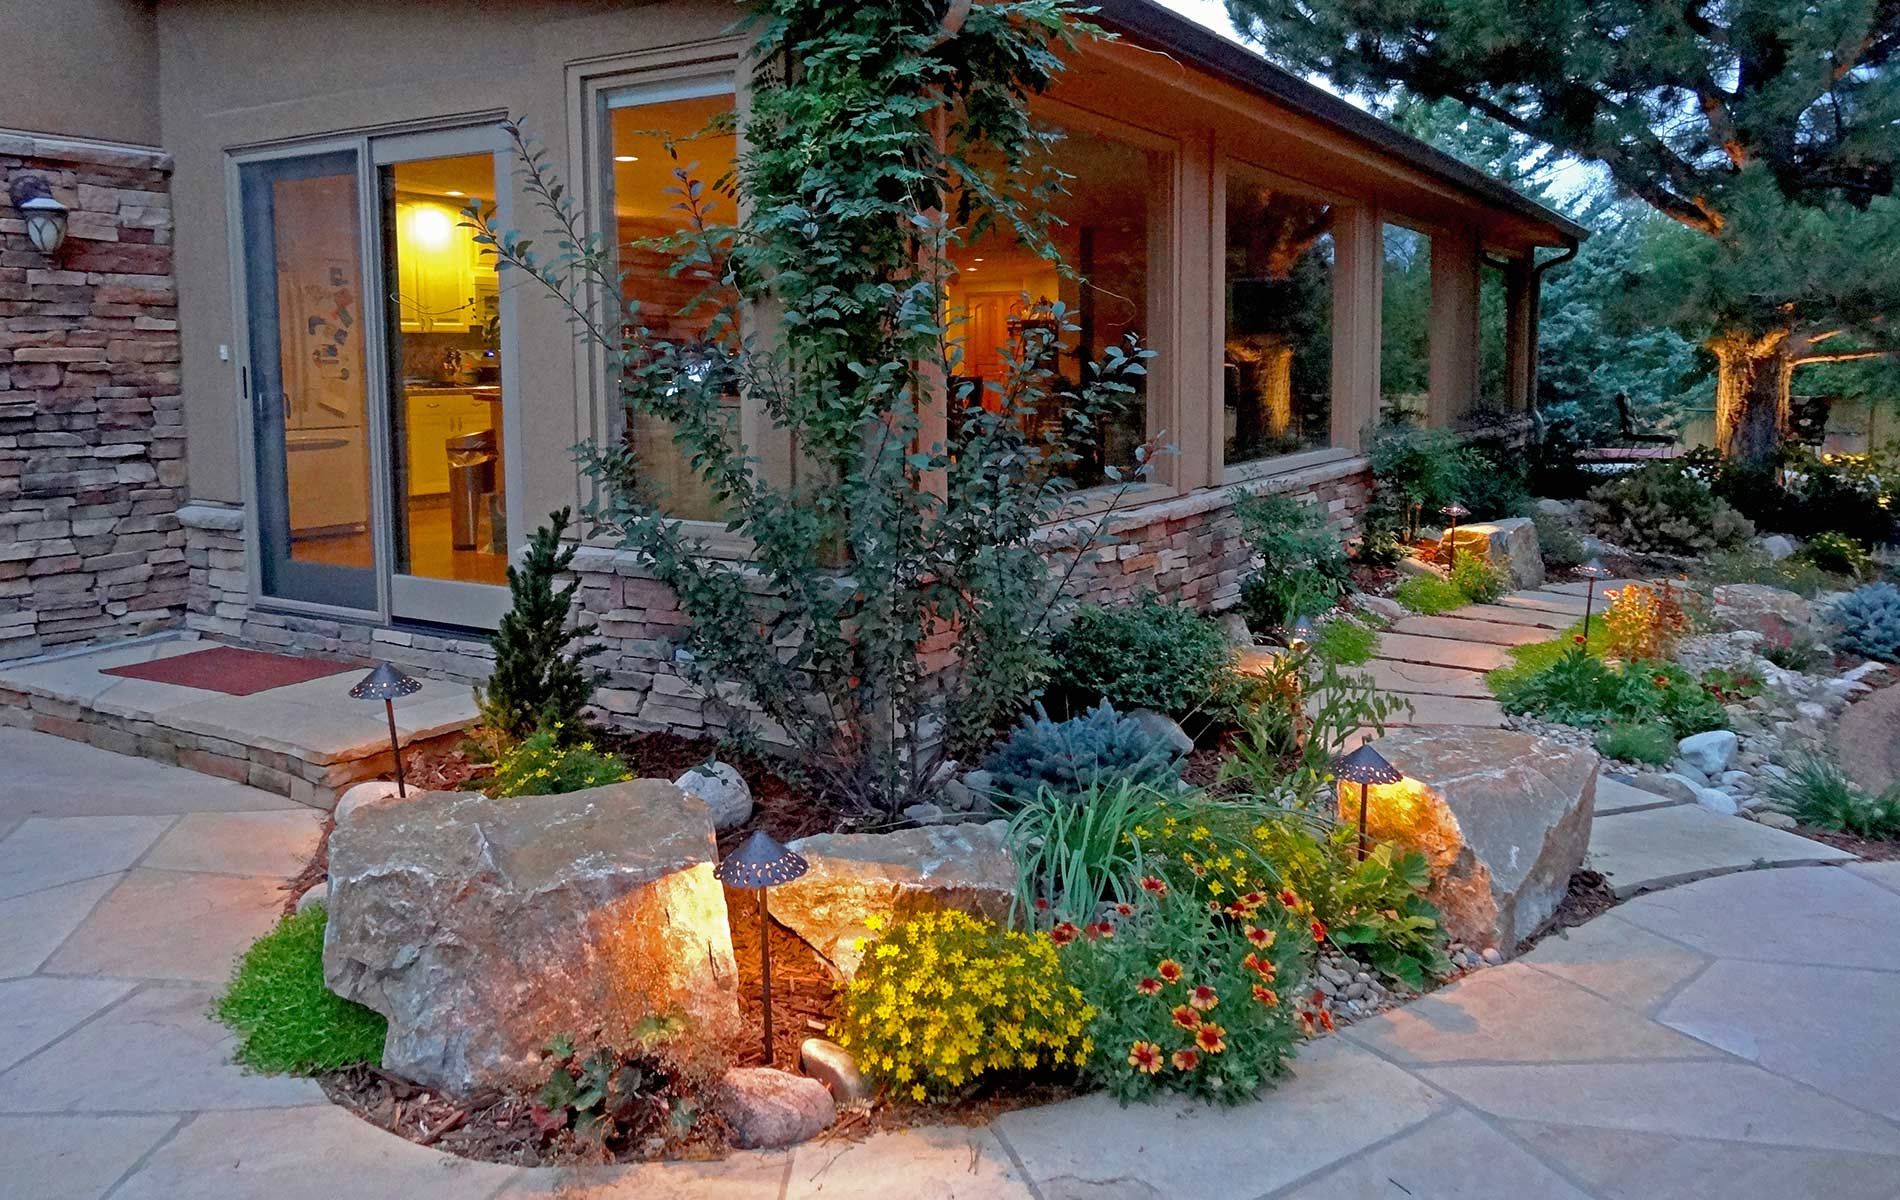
{"x":538,"y":681}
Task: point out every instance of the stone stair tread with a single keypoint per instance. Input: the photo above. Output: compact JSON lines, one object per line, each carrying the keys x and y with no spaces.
{"x":1504,"y":614}
{"x":1457,"y":627}
{"x":1660,"y":847}
{"x":1614,"y":796}
{"x":1555,"y":603}
{"x":1428,"y":709}
{"x":1442,"y":652}
{"x":1423,"y":678}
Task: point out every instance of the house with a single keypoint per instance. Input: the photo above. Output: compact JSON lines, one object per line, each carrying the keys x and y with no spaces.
{"x":267,"y":390}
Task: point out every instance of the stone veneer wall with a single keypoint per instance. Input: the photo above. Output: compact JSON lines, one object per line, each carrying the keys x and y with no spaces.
{"x":92,"y":466}
{"x":1188,"y":548}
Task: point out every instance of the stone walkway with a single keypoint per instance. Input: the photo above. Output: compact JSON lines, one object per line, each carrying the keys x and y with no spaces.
{"x":1731,"y":1037}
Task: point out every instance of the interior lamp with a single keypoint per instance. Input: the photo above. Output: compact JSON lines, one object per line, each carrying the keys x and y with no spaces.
{"x":388,"y":684}
{"x":1365,"y":767}
{"x":761,"y":862}
{"x":44,"y":215}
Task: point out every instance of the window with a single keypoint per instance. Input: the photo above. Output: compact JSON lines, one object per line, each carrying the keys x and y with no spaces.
{"x":1108,"y":232}
{"x":1405,"y":324}
{"x":1277,"y":356}
{"x":1494,"y":344}
{"x":655,"y":132}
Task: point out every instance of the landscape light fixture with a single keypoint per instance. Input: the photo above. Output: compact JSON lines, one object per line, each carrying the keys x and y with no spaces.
{"x":387,"y":684}
{"x":1451,"y":512}
{"x":1301,"y":635}
{"x":761,"y":863}
{"x":1365,"y":767}
{"x":1595,"y":572}
{"x":44,"y":215}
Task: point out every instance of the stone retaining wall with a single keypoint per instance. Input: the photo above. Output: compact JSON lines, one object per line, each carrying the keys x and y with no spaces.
{"x":92,"y":466}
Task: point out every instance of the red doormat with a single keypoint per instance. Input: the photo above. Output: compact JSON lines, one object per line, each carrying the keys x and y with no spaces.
{"x":236,"y":672}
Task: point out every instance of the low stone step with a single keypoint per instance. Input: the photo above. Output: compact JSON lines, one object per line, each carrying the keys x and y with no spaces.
{"x":1461,"y":629}
{"x":1442,"y":652}
{"x":1615,"y":796}
{"x":1554,"y":603}
{"x":1504,"y":614}
{"x":1660,"y":847}
{"x":1581,"y":587}
{"x":1392,"y":676}
{"x":1430,"y":710}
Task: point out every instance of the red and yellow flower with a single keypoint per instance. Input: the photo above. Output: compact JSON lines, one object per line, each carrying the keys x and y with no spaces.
{"x":1145,"y":1057}
{"x":1319,"y":931}
{"x":1266,"y":995}
{"x":1169,"y":970}
{"x":1186,"y":1016}
{"x":1262,"y":967}
{"x":1210,"y":1038}
{"x":1148,"y":986}
{"x":1186,"y":1060}
{"x":1203,"y":998}
{"x":1150,"y":883}
{"x":1064,"y":933}
{"x":1263,"y":938}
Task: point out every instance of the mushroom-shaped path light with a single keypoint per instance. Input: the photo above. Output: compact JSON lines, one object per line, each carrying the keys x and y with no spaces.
{"x":758,"y":864}
{"x":1365,"y":767}
{"x":387,"y":684}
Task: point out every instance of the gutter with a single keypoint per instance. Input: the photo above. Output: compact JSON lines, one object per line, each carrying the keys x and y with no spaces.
{"x":1536,"y":300}
{"x":1148,"y":22}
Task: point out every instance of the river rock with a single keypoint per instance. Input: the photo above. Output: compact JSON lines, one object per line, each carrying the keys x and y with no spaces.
{"x":1164,"y":729}
{"x":1669,"y":787}
{"x":1709,"y":753}
{"x":1776,"y":546}
{"x":1773,"y":612}
{"x":1510,"y":545}
{"x":1233,"y":627}
{"x":894,"y":875}
{"x":370,"y":791}
{"x":1503,"y":817}
{"x":482,"y":927}
{"x":768,"y":1108}
{"x":832,"y":1065}
{"x":724,"y":790}
{"x":1382,"y":607}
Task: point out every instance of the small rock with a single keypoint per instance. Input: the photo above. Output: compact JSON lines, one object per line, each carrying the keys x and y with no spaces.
{"x":1776,"y":820}
{"x":1233,"y":627}
{"x":723,"y":789}
{"x":1776,"y":546}
{"x":1719,"y":800}
{"x":1732,"y":779}
{"x":832,"y":1065}
{"x":1355,"y":990}
{"x":1669,"y":787}
{"x":1492,"y":957}
{"x":372,"y":791}
{"x":1684,"y":769}
{"x":1810,"y":711}
{"x":1709,"y":752}
{"x":1378,"y":606}
{"x":768,"y":1109}
{"x":924,"y":814}
{"x":1164,"y":729}
{"x":1334,"y":975}
{"x":957,"y":796}
{"x":316,"y":893}
{"x":1326,"y":986}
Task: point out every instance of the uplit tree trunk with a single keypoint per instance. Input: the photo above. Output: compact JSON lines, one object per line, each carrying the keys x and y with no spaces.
{"x":1753,"y":381}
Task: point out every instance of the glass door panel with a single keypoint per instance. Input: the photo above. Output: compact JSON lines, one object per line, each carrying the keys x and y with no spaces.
{"x":443,"y":323}
{"x":309,"y":386}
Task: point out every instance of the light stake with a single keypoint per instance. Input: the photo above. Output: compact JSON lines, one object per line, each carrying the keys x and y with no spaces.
{"x":759,"y":864}
{"x":386,"y":683}
{"x":1595,"y":572}
{"x":1365,"y":767}
{"x":1452,"y":512}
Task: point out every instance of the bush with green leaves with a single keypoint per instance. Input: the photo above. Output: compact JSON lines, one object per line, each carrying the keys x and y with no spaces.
{"x":876,"y":143}
{"x":1665,"y":508}
{"x":1144,"y":654}
{"x":287,"y":1020}
{"x":1073,"y":758}
{"x":1817,"y":792}
{"x":1429,"y":594}
{"x":1747,"y":564}
{"x":1581,"y":689}
{"x":1559,"y":544}
{"x":630,"y":1098}
{"x":1868,"y":622}
{"x":546,"y":764}
{"x":1838,"y":554}
{"x":1645,"y":742}
{"x":1303,"y":564}
{"x":1415,"y":472}
{"x":1345,"y":641}
{"x":1475,"y":578}
{"x":1807,"y":492}
{"x":1296,"y":714}
{"x":538,"y":682}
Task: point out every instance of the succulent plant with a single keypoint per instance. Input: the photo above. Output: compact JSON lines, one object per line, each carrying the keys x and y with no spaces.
{"x":1869,"y":621}
{"x":1098,"y":748}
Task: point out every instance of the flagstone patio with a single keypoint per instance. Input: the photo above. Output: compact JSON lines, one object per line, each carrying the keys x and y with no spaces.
{"x":1732,"y":1034}
{"x":307,"y":741}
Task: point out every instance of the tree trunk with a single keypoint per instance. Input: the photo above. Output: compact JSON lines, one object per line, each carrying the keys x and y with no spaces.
{"x":1752,"y":384}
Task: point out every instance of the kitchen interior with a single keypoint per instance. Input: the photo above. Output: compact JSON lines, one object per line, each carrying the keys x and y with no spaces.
{"x":445,"y":376}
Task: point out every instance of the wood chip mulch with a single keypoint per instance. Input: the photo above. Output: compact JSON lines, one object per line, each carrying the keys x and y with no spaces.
{"x":1871,"y":849}
{"x":1589,"y":896}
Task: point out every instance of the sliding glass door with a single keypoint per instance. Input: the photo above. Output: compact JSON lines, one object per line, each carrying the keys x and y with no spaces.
{"x":378,"y":378}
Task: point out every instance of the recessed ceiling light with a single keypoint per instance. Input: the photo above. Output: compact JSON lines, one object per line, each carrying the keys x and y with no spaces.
{"x":626,"y":158}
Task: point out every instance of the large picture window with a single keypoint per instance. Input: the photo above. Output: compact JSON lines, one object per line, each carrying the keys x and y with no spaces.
{"x":654,"y":132}
{"x":1405,"y":324}
{"x":1277,"y":355}
{"x":1108,"y":230}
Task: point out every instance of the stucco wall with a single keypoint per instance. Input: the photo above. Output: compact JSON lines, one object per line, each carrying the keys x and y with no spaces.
{"x":80,"y":69}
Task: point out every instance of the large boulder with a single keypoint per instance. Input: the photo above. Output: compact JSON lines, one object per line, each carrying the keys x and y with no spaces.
{"x":893,"y":876}
{"x":1510,"y":545}
{"x":1773,"y":612}
{"x":483,"y":927}
{"x":1503,"y":817}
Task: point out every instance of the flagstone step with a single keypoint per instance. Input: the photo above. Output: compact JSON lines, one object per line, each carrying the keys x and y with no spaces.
{"x":1504,"y":614}
{"x":1660,"y":847}
{"x":1442,"y":652}
{"x":1581,"y":587}
{"x":1423,"y":678}
{"x":1457,"y":627}
{"x":1552,"y":603}
{"x":1446,"y":710}
{"x":1614,"y":796}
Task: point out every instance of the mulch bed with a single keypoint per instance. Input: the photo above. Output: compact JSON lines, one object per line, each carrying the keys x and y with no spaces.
{"x":1589,"y":896}
{"x":1871,"y":849}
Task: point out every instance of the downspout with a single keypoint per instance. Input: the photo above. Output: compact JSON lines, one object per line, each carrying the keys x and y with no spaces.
{"x":1536,"y":302}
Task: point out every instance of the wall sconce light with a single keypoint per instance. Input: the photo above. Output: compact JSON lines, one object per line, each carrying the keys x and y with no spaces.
{"x":759,"y":864}
{"x":1365,"y":767}
{"x":387,"y":684}
{"x":45,"y":216}
{"x":1595,"y":572}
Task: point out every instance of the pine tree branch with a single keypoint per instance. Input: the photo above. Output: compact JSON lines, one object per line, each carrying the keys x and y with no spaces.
{"x":1846,"y":356}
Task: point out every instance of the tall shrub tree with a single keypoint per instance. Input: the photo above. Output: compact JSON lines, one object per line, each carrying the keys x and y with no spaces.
{"x":897,"y":598}
{"x":1763,"y":128}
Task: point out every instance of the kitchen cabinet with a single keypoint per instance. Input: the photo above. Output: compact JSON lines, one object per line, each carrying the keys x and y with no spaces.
{"x":433,"y":416}
{"x":436,"y":261}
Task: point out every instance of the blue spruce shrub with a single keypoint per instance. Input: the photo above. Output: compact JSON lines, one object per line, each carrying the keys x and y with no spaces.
{"x":1097,"y":749}
{"x":1869,"y":620}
